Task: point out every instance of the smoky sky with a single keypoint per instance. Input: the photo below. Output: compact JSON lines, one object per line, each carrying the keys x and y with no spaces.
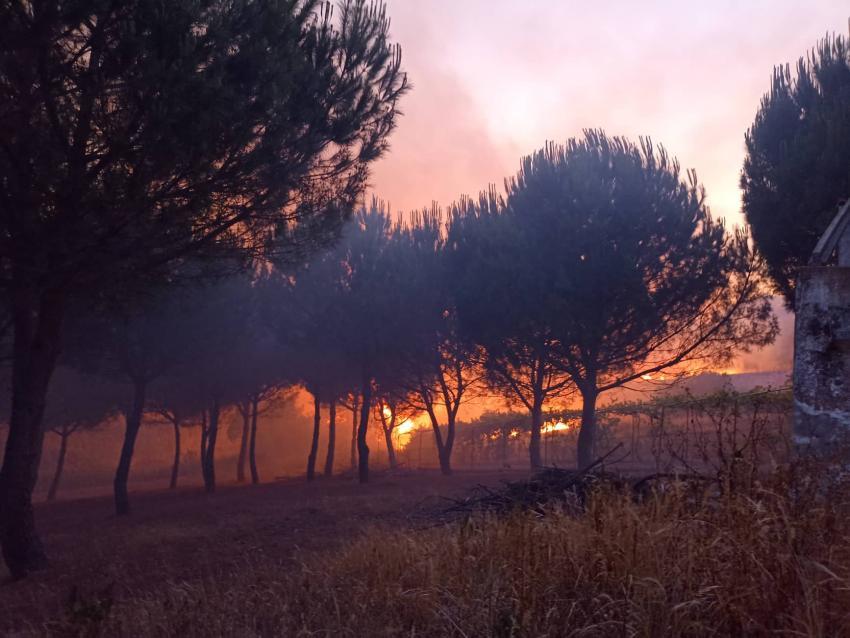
{"x":494,"y":79}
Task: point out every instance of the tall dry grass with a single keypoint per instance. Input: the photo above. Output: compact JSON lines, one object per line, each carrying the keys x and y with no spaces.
{"x":771,"y":559}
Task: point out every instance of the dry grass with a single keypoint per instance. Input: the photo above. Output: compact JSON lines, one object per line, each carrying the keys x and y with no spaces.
{"x":771,"y":559}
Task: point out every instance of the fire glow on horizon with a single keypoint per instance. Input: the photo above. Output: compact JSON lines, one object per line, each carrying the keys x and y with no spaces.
{"x":556,"y":427}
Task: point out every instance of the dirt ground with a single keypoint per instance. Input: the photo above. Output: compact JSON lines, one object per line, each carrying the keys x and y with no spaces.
{"x":176,"y":536}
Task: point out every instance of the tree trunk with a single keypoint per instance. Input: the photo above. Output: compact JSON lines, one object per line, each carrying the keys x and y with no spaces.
{"x":204,"y":431}
{"x":587,"y":433}
{"x":209,"y":456}
{"x":534,"y":444}
{"x":388,"y":437}
{"x":445,"y":461}
{"x":252,"y":446}
{"x":354,"y":409}
{"x":175,"y":467}
{"x":329,"y":459}
{"x":37,"y":325}
{"x":314,"y":443}
{"x":443,"y":457}
{"x":132,"y":421}
{"x":245,"y":412}
{"x":387,"y":428}
{"x":60,"y":465}
{"x":446,"y":453}
{"x":362,"y":427}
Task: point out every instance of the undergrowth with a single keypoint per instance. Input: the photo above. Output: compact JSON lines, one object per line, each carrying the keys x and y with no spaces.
{"x":773,"y":558}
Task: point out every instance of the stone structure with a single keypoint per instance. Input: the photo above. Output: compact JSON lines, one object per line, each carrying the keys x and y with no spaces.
{"x":822,"y":340}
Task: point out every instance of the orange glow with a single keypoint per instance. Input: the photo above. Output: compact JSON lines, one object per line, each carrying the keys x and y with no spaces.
{"x":404,"y":433}
{"x":729,"y":371}
{"x":560,"y":426}
{"x":406,"y":427}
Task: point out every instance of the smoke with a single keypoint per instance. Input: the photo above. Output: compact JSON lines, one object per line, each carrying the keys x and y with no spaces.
{"x":779,"y":355}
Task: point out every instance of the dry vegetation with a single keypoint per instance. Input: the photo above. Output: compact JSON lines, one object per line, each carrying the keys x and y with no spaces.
{"x":768,"y":557}
{"x":748,"y":565}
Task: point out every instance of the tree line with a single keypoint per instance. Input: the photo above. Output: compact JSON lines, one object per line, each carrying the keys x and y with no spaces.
{"x":139,"y":135}
{"x":599,"y":265}
{"x":179,"y":189}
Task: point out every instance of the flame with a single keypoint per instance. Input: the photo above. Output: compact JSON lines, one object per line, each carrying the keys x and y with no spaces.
{"x":560,"y":426}
{"x":406,"y":427}
{"x":403,"y":433}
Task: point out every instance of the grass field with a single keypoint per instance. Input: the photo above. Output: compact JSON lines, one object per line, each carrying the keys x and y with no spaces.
{"x":187,"y":538}
{"x":338,"y":559}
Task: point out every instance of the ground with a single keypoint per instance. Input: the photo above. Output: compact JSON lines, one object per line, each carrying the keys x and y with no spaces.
{"x":178,"y":535}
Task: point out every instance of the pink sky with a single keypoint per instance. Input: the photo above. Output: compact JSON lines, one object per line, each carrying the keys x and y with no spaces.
{"x":494,"y":79}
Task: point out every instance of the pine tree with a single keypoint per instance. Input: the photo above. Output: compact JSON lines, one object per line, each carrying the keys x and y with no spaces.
{"x":137,"y":133}
{"x":797,"y":168}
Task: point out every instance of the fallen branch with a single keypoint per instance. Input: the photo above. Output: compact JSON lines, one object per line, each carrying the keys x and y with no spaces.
{"x":553,"y":485}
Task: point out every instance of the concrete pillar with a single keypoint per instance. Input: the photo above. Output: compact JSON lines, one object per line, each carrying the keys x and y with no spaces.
{"x":822,"y":355}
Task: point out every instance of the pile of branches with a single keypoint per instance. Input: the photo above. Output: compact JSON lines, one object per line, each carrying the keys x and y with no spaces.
{"x":567,"y":489}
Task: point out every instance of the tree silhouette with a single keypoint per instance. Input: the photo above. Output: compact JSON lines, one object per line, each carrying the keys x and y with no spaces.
{"x":226,"y":335}
{"x":797,"y":168}
{"x":260,"y":373}
{"x":631,"y":273}
{"x":176,"y":398}
{"x":261,"y":400}
{"x":373,"y":327}
{"x":132,"y":343}
{"x":304,"y":313}
{"x":337,"y":324}
{"x":150,"y":131}
{"x":391,"y":413}
{"x":76,"y":401}
{"x":435,"y":362}
{"x":504,"y":303}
